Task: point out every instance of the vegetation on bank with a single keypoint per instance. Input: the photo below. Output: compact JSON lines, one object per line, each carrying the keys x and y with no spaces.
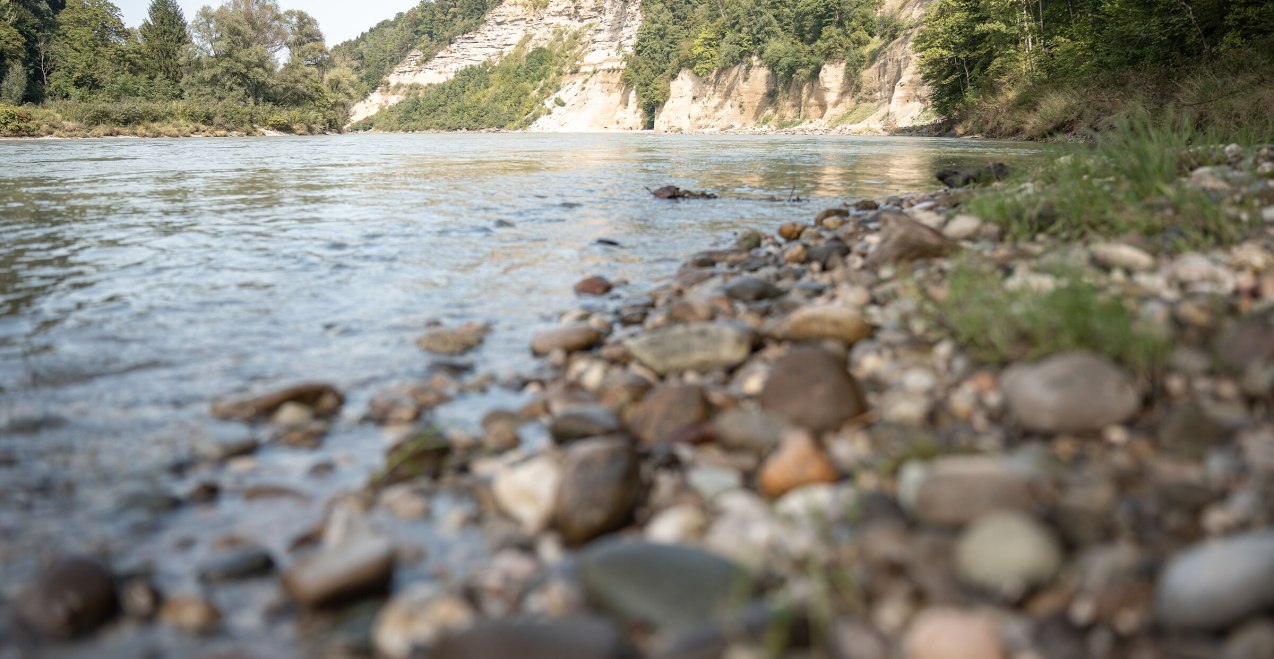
{"x":241,"y":67}
{"x":1038,"y":69}
{"x":509,"y":94}
{"x":793,"y":38}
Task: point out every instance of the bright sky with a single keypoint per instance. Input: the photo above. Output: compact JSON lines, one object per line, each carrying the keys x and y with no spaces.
{"x":340,"y":20}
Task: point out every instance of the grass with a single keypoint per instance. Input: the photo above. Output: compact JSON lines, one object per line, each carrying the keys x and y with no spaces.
{"x":999,"y":324}
{"x":1125,"y":184}
{"x":139,"y":118}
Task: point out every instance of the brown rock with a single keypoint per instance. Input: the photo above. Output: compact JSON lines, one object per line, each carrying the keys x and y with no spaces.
{"x":949,"y":633}
{"x":599,"y":489}
{"x":829,"y":213}
{"x":72,"y":597}
{"x":570,"y":338}
{"x":959,"y":489}
{"x":791,"y":231}
{"x":798,"y":461}
{"x":454,"y":341}
{"x":796,"y":254}
{"x":595,"y":285}
{"x":358,"y":567}
{"x":904,"y":239}
{"x":811,"y":387}
{"x":324,"y":400}
{"x":192,"y":615}
{"x":818,"y":322}
{"x":668,"y":410}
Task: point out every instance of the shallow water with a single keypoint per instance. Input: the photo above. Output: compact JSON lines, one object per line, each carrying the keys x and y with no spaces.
{"x":140,"y":280}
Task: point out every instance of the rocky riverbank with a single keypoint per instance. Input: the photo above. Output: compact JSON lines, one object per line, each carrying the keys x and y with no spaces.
{"x":885,"y":431}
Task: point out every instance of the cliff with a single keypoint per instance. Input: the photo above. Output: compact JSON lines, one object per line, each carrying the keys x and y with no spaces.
{"x":886,"y":95}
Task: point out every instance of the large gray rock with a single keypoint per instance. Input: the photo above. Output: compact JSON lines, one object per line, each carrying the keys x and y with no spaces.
{"x":1007,"y":553}
{"x":1216,"y":585}
{"x":599,"y":489}
{"x":576,"y":638}
{"x":694,"y":347}
{"x":811,"y":388}
{"x":72,"y":597}
{"x":668,"y":586}
{"x":1070,"y":392}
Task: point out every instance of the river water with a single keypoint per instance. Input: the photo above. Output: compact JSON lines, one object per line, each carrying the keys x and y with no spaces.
{"x":142,"y":279}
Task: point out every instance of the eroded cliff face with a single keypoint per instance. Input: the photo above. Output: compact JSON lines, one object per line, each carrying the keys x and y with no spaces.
{"x":886,"y":95}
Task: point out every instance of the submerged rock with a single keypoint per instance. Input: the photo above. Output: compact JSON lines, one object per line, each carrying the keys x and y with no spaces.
{"x":237,"y":563}
{"x":454,"y":341}
{"x":72,"y":597}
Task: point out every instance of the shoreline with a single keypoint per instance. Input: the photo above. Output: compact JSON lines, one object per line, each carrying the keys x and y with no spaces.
{"x":804,"y":430}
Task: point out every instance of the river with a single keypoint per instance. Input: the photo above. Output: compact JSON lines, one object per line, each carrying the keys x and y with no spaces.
{"x":142,"y":279}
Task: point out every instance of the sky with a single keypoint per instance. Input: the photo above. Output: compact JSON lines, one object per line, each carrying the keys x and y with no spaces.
{"x":340,"y":20}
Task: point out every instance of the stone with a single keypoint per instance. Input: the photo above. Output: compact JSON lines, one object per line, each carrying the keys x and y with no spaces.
{"x":1071,"y":392}
{"x":567,"y":338}
{"x":829,"y":213}
{"x":600,"y":488}
{"x":819,"y":322}
{"x":962,"y":227}
{"x":670,"y":587}
{"x":1007,"y":553}
{"x":416,"y":619}
{"x":748,"y":429}
{"x":1249,"y":341}
{"x":752,"y":289}
{"x":595,"y":285}
{"x":527,"y":491}
{"x":667,"y":411}
{"x":811,"y":388}
{"x":798,"y":461}
{"x":903,"y":239}
{"x":193,"y":615}
{"x":956,"y":490}
{"x":959,"y":177}
{"x":1119,"y":255}
{"x":323,"y":399}
{"x":949,"y":633}
{"x":358,"y":567}
{"x":576,"y":638}
{"x":72,"y":597}
{"x":1189,"y":432}
{"x":791,"y":231}
{"x":243,"y":562}
{"x":710,"y":480}
{"x":693,"y":347}
{"x":749,"y":240}
{"x":678,"y":525}
{"x":1215,"y":585}
{"x":1254,"y":640}
{"x":583,"y":420}
{"x":454,"y":341}
{"x":139,"y":598}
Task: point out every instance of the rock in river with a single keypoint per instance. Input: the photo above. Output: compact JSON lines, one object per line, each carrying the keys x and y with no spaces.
{"x":694,"y":347}
{"x":595,"y":285}
{"x":1070,"y":392}
{"x":241,"y":562}
{"x":573,"y":638}
{"x":812,"y":388}
{"x":72,"y":597}
{"x":454,"y":341}
{"x":1216,"y":585}
{"x":324,"y":400}
{"x":599,"y":489}
{"x":668,"y":586}
{"x":667,"y":411}
{"x":568,"y":338}
{"x":357,"y":567}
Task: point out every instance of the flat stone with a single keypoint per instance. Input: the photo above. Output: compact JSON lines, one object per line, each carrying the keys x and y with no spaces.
{"x":1214,"y":585}
{"x":668,"y":586}
{"x":1118,"y":255}
{"x":576,"y":638}
{"x":72,"y":597}
{"x":962,"y":227}
{"x":416,"y":619}
{"x":1007,"y":553}
{"x":811,"y":387}
{"x":752,"y":289}
{"x":959,"y":489}
{"x":600,"y":488}
{"x":358,"y":567}
{"x":583,"y":420}
{"x":949,"y":633}
{"x":454,"y":341}
{"x":325,"y":401}
{"x":818,"y":322}
{"x":236,"y":563}
{"x":904,"y":239}
{"x":667,"y":411}
{"x":828,"y":254}
{"x":798,"y":461}
{"x":595,"y":285}
{"x":1070,"y":392}
{"x":193,"y":615}
{"x":527,"y":491}
{"x":748,"y":429}
{"x":569,"y":338}
{"x":693,"y":347}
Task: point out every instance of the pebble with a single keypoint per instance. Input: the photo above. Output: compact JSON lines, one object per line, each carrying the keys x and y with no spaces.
{"x":568,"y":338}
{"x":752,"y":289}
{"x":798,"y":461}
{"x":956,"y":490}
{"x":354,"y":568}
{"x":235,"y":563}
{"x":527,"y":491}
{"x":949,"y":633}
{"x":1070,"y":392}
{"x":670,"y":587}
{"x":667,"y":411}
{"x":748,"y":429}
{"x":1119,"y":255}
{"x":818,"y":322}
{"x":323,"y":399}
{"x":693,"y":347}
{"x":1214,"y":585}
{"x":583,"y":420}
{"x":678,"y":525}
{"x":573,"y":638}
{"x":962,"y":227}
{"x":811,"y":387}
{"x":1007,"y":553}
{"x":416,"y":618}
{"x":595,"y":285}
{"x":193,"y":615}
{"x":600,"y":487}
{"x":454,"y":341}
{"x":72,"y":597}
{"x":904,"y":239}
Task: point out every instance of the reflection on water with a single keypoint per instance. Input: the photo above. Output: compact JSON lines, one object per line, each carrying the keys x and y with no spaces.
{"x":141,"y":279}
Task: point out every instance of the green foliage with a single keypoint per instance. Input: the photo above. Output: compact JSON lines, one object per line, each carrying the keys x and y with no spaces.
{"x":510,"y":94}
{"x":165,"y":43}
{"x":14,"y":121}
{"x":88,"y":46}
{"x":793,"y":38}
{"x":1126,"y":184}
{"x":429,"y":27}
{"x":999,"y":324}
{"x":13,"y":85}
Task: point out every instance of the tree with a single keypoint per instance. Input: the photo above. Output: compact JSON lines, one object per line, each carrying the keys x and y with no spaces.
{"x":165,"y":42}
{"x":13,"y":86}
{"x":238,"y":42}
{"x":88,"y":46}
